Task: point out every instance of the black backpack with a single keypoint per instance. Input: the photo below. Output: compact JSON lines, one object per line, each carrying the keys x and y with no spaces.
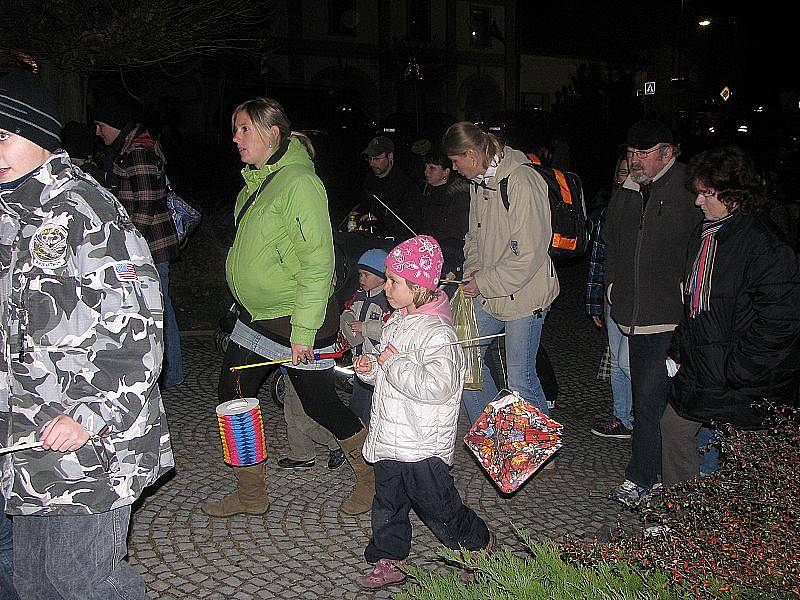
{"x":567,"y":210}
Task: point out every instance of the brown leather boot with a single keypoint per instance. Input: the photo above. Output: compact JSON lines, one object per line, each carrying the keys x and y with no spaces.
{"x":249,"y":498}
{"x":360,"y":501}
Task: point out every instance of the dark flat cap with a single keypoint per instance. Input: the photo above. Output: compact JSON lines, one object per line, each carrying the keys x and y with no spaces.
{"x":648,"y":133}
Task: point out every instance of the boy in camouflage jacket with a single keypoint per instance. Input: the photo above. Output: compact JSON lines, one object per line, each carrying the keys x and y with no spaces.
{"x":80,"y":353}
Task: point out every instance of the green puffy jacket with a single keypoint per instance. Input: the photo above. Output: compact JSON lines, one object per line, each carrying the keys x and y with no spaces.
{"x":281,"y":262}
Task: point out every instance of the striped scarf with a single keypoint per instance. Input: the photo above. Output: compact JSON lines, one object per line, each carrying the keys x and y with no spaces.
{"x":698,"y":284}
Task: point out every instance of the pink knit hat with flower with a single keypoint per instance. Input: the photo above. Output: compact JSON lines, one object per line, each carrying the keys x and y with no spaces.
{"x":418,"y":260}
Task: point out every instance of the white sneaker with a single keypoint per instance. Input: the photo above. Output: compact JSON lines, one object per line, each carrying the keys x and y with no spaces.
{"x":628,"y":493}
{"x":656,"y":530}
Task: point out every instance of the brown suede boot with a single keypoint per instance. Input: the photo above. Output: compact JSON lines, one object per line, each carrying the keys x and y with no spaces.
{"x":249,"y":498}
{"x":360,"y":501}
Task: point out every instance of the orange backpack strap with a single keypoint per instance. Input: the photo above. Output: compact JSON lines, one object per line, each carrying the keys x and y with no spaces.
{"x":566,"y":194}
{"x":534,"y":159}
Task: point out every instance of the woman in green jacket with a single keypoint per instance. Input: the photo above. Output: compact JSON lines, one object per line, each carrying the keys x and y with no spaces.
{"x":280,"y":271}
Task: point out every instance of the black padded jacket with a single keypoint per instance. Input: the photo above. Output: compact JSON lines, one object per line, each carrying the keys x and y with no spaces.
{"x":746,"y":347}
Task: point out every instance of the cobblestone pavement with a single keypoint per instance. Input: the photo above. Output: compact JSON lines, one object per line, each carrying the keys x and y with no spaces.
{"x":303,"y":547}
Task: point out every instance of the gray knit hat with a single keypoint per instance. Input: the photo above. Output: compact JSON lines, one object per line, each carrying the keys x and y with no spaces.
{"x":28,"y":109}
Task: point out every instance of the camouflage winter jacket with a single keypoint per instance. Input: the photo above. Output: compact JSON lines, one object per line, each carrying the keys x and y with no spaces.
{"x":80,"y":334}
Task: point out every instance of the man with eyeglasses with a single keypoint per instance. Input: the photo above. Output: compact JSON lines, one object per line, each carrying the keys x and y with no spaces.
{"x":649,"y":222}
{"x":392,"y":186}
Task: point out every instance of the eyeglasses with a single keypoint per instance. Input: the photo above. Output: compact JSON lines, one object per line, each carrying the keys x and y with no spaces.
{"x":370,"y":159}
{"x":707,"y":193}
{"x":642,"y":153}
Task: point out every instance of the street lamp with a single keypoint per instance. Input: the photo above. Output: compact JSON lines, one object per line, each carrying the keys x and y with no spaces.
{"x":704,"y":22}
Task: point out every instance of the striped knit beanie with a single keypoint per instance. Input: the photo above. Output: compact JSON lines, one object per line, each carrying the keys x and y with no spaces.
{"x":28,"y":109}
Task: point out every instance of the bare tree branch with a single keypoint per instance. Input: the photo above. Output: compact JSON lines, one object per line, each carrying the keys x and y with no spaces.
{"x":109,"y":35}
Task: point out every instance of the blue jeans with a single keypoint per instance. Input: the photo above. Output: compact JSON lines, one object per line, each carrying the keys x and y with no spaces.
{"x":710,"y":457}
{"x":7,"y":591}
{"x":361,"y":400}
{"x":75,"y":556}
{"x":522,"y":344}
{"x":172,"y":369}
{"x":620,"y":371}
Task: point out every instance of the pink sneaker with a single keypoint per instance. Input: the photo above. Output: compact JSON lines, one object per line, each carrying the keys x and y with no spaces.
{"x":465,"y":575}
{"x":386,"y":572}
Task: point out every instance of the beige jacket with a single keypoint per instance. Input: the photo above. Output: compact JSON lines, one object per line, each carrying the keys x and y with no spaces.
{"x":507,"y":250}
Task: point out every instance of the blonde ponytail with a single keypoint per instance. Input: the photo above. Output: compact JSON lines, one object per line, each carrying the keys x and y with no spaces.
{"x":306,"y":141}
{"x":463,"y":136}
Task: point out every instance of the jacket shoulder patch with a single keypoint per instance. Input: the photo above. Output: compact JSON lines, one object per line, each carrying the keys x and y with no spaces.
{"x":48,"y":246}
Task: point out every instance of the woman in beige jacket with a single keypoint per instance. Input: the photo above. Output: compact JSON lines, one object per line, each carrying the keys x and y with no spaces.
{"x":507,"y":267}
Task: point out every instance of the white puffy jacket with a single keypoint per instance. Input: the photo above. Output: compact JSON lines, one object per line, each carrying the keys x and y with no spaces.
{"x":417,"y":396}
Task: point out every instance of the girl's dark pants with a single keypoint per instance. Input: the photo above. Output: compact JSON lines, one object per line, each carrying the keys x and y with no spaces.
{"x":428,"y":488}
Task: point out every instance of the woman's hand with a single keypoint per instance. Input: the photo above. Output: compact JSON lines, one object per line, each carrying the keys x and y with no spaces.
{"x":63,"y":434}
{"x":598,"y":321}
{"x":302,"y":354}
{"x":363,"y":363}
{"x":471,"y":287}
{"x":387,"y":353}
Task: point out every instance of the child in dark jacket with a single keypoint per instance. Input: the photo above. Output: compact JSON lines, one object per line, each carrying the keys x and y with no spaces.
{"x":362,"y":322}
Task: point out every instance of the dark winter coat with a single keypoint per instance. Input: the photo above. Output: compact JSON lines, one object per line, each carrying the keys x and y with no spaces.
{"x":445,"y":216}
{"x":746,"y":347}
{"x":398,"y":192}
{"x":645,"y":249}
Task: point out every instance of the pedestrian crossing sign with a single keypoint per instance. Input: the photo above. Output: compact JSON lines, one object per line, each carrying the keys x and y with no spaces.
{"x":649,"y":88}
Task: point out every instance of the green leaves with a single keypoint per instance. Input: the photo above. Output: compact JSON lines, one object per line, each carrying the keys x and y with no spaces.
{"x":541,"y":575}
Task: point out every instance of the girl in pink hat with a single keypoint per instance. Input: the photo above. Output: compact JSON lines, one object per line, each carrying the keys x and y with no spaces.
{"x":418,"y":377}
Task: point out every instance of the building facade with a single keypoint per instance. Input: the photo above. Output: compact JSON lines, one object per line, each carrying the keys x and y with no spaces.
{"x":407,"y":56}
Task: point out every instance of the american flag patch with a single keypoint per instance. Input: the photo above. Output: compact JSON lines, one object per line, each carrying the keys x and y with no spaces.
{"x":126,"y":271}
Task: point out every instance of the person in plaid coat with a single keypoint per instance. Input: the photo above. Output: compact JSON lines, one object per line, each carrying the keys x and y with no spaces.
{"x":620,"y":424}
{"x":134,"y":169}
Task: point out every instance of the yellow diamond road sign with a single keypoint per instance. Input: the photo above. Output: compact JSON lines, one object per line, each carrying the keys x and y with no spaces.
{"x":725,"y":93}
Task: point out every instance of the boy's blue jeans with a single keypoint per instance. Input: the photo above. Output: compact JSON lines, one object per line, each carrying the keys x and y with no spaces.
{"x":6,"y":555}
{"x":361,"y":400}
{"x":522,"y":344}
{"x":75,"y":556}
